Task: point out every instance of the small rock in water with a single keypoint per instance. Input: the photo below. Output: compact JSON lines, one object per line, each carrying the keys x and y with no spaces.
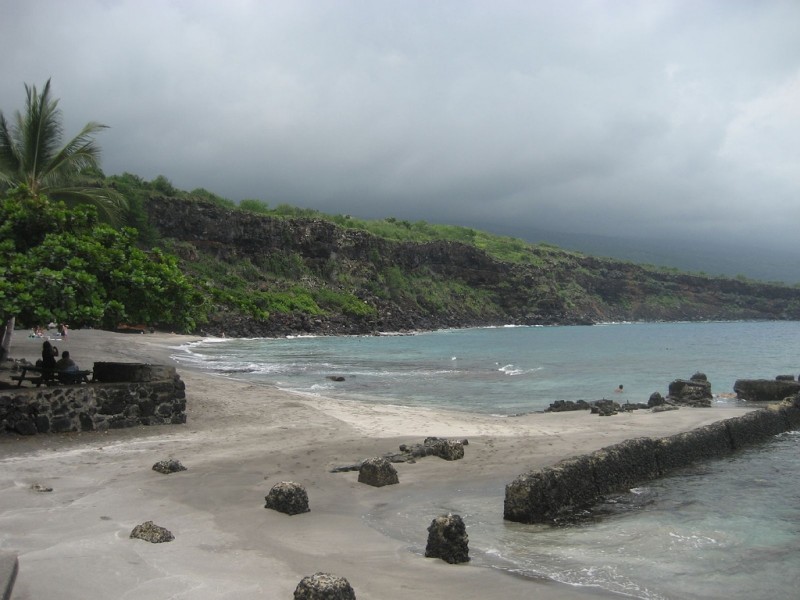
{"x":448,"y":539}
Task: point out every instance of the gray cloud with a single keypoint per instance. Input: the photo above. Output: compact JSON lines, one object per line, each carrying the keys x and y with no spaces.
{"x":673,"y":118}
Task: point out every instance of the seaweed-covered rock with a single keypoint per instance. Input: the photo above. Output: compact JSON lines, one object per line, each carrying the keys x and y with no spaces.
{"x":324,"y":586}
{"x":448,"y":540}
{"x":150,"y":532}
{"x":288,"y":497}
{"x":377,"y":472}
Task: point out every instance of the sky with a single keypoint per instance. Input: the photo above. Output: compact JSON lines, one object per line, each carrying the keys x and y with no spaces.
{"x":671,"y":119}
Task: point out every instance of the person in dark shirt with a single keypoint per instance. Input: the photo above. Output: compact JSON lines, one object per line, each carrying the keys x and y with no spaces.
{"x":48,"y":356}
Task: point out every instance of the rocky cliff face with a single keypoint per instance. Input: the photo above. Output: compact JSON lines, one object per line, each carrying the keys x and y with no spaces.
{"x":442,"y":283}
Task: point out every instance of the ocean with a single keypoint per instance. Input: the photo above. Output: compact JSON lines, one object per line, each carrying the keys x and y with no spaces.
{"x":724,"y":529}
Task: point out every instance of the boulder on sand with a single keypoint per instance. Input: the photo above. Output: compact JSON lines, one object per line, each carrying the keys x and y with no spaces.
{"x":324,"y":586}
{"x":377,"y":472}
{"x":288,"y":497}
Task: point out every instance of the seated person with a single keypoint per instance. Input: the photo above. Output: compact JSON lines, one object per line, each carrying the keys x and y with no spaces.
{"x":48,"y":360}
{"x":67,"y":369}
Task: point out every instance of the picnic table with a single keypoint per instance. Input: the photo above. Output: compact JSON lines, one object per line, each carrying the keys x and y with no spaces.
{"x":50,"y":376}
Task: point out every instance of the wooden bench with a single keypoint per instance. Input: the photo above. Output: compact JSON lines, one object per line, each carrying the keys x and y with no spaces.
{"x":50,"y":376}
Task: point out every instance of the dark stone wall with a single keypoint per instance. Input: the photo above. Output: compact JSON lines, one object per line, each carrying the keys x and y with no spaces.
{"x":560,"y":491}
{"x":95,"y":406}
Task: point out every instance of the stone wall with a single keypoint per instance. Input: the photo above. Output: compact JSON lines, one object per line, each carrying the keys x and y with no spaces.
{"x":155,"y":396}
{"x":574,"y":484}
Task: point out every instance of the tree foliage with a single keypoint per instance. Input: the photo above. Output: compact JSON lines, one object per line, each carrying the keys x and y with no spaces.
{"x":59,"y":264}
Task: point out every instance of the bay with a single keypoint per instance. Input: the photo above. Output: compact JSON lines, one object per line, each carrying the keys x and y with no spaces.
{"x":726,"y":529}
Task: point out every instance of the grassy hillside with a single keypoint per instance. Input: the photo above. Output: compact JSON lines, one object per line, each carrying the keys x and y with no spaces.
{"x":277,"y":270}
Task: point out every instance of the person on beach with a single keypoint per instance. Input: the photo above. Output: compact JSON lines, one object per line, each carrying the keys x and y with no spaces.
{"x":49,"y":354}
{"x":66,"y":368}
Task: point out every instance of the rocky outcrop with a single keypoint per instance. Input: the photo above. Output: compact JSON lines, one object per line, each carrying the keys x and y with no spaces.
{"x":568,"y":405}
{"x":765,"y":390}
{"x":448,"y":539}
{"x":605,"y":408}
{"x":324,"y":586}
{"x":288,"y":497}
{"x":377,"y":472}
{"x":559,"y":492}
{"x":695,"y":391}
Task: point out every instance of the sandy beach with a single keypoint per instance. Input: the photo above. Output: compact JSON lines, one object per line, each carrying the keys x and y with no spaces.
{"x":240,"y":440}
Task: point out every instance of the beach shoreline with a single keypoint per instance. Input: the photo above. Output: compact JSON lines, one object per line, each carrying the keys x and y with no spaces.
{"x":239,"y":440}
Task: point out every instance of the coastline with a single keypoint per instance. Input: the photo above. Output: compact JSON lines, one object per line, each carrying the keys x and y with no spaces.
{"x":239,"y":440}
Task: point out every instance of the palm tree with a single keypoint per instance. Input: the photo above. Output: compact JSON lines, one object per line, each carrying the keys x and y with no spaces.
{"x":32,"y":158}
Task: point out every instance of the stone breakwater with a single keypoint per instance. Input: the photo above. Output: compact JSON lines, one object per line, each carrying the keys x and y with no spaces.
{"x":559,"y":492}
{"x":127,"y":396}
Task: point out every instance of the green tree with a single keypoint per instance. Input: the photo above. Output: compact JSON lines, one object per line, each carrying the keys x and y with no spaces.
{"x":33,"y":159}
{"x":82,"y":272}
{"x":33,"y":162}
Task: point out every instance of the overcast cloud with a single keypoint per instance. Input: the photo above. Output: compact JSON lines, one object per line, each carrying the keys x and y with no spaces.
{"x":673,"y":118}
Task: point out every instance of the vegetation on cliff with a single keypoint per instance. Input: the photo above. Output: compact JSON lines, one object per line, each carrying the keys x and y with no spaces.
{"x":256,"y":271}
{"x":250,"y":269}
{"x":271,"y":274}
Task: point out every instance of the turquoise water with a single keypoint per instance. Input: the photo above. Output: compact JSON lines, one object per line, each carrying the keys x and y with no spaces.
{"x":727,"y":529}
{"x":510,"y":370}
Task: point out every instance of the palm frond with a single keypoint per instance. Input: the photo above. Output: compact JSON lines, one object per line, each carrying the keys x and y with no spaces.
{"x":9,"y":153}
{"x":79,"y":153}
{"x":39,"y":133}
{"x":31,"y":155}
{"x":109,"y":202}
